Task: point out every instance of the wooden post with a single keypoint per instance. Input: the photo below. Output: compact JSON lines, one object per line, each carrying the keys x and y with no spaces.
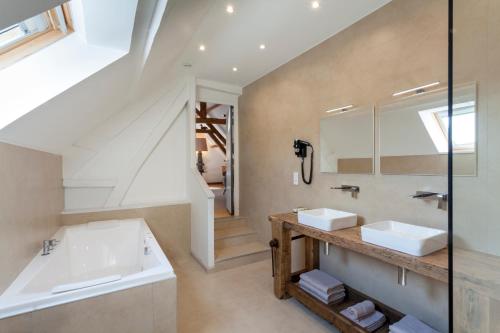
{"x":283,"y":259}
{"x":312,"y":253}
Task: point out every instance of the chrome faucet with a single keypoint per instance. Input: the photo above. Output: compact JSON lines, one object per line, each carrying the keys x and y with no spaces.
{"x":442,"y":198}
{"x":348,"y":188}
{"x":48,"y":245}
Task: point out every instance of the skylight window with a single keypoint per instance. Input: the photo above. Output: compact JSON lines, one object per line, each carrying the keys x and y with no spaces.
{"x":436,"y":122}
{"x":28,"y":36}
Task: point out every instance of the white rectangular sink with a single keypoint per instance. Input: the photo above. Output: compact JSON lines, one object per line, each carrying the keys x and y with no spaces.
{"x":327,"y":219}
{"x":407,"y":238}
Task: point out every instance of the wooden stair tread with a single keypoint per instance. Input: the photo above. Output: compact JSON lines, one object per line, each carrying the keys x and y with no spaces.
{"x":239,"y":250}
{"x":233,"y":231}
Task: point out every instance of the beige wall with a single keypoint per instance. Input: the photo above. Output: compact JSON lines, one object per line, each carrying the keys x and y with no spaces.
{"x":31,"y":199}
{"x":170,"y":225}
{"x":400,"y":46}
{"x":477,"y":57}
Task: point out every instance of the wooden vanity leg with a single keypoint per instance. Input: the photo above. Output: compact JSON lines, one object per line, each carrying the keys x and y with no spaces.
{"x":283,"y":259}
{"x":312,"y":253}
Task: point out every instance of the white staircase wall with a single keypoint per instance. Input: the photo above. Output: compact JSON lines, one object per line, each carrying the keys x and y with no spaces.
{"x":136,"y":157}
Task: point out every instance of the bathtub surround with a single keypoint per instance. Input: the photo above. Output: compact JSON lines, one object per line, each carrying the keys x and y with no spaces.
{"x":140,"y":309}
{"x":170,"y":224}
{"x":31,"y":201}
{"x":403,"y":44}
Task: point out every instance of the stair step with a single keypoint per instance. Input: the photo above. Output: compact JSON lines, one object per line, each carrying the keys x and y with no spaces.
{"x":230,"y":222}
{"x":229,"y":236}
{"x":240,"y":250}
{"x":233,"y":231}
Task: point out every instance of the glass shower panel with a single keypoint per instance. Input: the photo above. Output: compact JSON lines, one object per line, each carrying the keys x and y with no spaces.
{"x":476,"y":198}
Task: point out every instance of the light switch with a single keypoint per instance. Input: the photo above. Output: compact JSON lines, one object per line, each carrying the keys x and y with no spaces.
{"x":295,"y":178}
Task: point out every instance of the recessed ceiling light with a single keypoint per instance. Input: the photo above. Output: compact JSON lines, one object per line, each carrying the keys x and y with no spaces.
{"x":235,"y":69}
{"x":230,"y":9}
{"x":262,"y":46}
{"x":202,"y":47}
{"x":315,"y":4}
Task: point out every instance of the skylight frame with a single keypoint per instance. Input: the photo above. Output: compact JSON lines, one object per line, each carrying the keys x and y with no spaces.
{"x":58,"y":24}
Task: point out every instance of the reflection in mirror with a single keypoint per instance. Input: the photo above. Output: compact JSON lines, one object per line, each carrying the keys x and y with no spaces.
{"x":347,"y":141}
{"x":414,"y":133}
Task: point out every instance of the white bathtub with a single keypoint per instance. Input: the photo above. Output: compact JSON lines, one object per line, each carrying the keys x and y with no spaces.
{"x":90,"y":260}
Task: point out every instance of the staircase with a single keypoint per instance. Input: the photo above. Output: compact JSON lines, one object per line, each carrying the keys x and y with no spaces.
{"x":236,"y":243}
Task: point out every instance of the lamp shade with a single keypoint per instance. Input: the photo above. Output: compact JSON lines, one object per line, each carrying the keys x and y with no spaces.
{"x":201,"y":144}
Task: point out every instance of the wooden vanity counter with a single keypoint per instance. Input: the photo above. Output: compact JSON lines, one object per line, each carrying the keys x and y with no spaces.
{"x":434,"y":265}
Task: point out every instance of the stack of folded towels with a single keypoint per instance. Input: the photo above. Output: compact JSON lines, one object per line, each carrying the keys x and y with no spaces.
{"x":410,"y":324}
{"x":322,"y":286}
{"x":365,"y":315}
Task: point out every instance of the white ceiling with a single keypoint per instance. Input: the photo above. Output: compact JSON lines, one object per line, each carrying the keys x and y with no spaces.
{"x":288,"y":28}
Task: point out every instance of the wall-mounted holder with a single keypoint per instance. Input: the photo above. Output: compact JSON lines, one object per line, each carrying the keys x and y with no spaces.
{"x":402,"y":273}
{"x":442,"y":198}
{"x":348,"y":188}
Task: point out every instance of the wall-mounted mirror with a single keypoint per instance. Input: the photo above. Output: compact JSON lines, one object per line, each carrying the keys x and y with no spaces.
{"x":347,"y":141}
{"x":414,"y":133}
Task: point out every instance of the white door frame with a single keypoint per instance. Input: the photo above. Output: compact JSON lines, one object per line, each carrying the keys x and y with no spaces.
{"x":222,"y":93}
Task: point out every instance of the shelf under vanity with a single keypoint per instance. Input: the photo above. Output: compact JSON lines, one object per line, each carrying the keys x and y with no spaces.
{"x":434,"y":266}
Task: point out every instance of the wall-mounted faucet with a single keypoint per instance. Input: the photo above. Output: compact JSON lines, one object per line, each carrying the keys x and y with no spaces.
{"x":348,"y":188}
{"x":442,"y":198}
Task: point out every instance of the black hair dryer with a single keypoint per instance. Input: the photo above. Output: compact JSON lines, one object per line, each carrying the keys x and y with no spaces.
{"x":300,"y":147}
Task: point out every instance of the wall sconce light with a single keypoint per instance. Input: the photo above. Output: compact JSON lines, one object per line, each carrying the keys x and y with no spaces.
{"x":417,"y":90}
{"x":341,"y":109}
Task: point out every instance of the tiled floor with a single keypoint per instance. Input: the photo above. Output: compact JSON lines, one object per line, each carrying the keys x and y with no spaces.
{"x":237,"y":300}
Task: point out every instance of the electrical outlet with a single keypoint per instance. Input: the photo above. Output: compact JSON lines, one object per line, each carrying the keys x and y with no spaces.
{"x":295,"y":178}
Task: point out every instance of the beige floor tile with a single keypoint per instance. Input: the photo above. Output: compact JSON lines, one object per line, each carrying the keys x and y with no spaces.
{"x":238,"y":300}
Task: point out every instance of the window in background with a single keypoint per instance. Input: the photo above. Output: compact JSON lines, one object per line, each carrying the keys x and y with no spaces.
{"x":29,"y":36}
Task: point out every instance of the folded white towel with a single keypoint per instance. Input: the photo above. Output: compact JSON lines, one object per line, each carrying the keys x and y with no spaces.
{"x":336,"y":297}
{"x":370,"y":323}
{"x":410,"y":324}
{"x":321,"y":280}
{"x":338,"y":289}
{"x":362,"y":309}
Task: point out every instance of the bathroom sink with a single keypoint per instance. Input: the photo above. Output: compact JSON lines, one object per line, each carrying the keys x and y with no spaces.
{"x":327,"y":219}
{"x":407,"y":238}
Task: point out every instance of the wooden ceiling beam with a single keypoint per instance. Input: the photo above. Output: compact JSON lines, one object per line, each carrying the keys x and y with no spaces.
{"x":214,"y":130}
{"x":211,"y":121}
{"x":203,"y":131}
{"x":217,"y":142}
{"x":203,"y":109}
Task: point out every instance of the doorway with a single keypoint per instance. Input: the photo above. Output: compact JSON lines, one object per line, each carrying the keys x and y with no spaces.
{"x":215,"y":153}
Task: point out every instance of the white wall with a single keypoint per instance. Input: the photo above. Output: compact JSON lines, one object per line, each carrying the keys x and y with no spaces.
{"x":214,"y":159}
{"x":163,"y":176}
{"x":135,"y":157}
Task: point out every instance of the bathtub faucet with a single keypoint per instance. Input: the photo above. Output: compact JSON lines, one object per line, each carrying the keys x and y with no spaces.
{"x":48,"y":245}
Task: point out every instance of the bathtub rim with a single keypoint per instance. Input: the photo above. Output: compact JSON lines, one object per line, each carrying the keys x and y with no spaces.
{"x":12,"y":304}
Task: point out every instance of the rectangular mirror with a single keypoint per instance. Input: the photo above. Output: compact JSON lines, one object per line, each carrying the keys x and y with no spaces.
{"x":347,"y":141}
{"x":414,"y":133}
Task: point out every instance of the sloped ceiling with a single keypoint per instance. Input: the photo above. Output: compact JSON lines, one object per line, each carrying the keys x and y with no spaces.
{"x":287,"y":28}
